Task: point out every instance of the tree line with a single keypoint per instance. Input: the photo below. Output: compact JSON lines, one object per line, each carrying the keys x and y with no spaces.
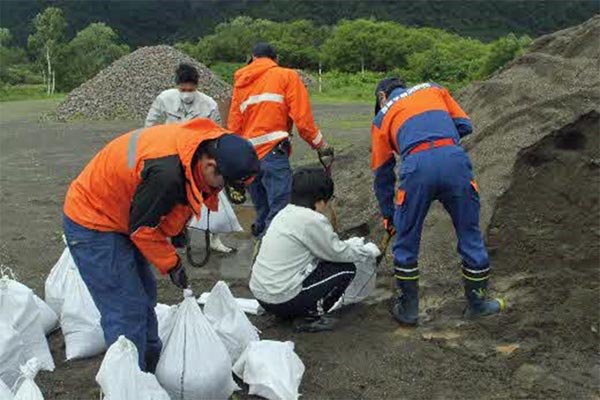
{"x":350,"y":46}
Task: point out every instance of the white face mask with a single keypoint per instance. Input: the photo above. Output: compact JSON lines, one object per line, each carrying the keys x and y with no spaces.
{"x":187,"y":97}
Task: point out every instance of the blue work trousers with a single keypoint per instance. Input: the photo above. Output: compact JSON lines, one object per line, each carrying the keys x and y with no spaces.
{"x":443,"y":174}
{"x":122,"y":285}
{"x":271,"y":189}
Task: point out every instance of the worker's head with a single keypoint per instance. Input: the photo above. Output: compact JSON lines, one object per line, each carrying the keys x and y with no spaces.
{"x":186,"y":78}
{"x":263,"y":49}
{"x":384,"y":88}
{"x":311,"y":188}
{"x":227,"y":160}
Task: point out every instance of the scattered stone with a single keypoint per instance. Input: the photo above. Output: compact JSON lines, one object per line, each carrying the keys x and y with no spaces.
{"x":507,"y":349}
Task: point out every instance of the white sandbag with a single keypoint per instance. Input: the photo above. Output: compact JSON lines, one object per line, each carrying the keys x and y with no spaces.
{"x":120,"y":377}
{"x":28,"y":389}
{"x":5,"y":393}
{"x":272,"y":369}
{"x":229,"y":321}
{"x":363,"y":283}
{"x":194,"y":363}
{"x":249,"y":306}
{"x":165,"y":316}
{"x":12,"y":354}
{"x":19,"y":309}
{"x":55,"y":282}
{"x":222,"y":221}
{"x":48,"y":317}
{"x":80,"y":319}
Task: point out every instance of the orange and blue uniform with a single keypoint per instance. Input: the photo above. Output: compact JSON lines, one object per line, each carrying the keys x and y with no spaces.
{"x":423,"y":126}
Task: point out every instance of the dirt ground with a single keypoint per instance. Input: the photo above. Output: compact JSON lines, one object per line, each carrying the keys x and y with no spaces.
{"x":543,"y":238}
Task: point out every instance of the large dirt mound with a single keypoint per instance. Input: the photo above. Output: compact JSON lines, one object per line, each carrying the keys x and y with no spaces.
{"x":127,"y":87}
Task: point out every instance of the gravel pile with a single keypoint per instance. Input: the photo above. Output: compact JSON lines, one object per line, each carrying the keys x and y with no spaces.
{"x":127,"y":88}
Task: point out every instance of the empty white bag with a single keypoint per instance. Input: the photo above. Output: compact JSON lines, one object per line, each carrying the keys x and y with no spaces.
{"x":80,"y":319}
{"x":229,"y":321}
{"x":54,"y":290}
{"x":19,"y":310}
{"x":28,"y":389}
{"x":5,"y":393}
{"x":222,"y":221}
{"x":271,"y":369}
{"x":120,"y":377}
{"x":194,"y":363}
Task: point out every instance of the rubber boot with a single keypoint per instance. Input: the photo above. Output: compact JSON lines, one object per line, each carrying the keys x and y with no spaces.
{"x":477,"y":303}
{"x":406,"y":309}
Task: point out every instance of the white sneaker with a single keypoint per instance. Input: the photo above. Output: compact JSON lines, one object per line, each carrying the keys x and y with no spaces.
{"x":217,"y":245}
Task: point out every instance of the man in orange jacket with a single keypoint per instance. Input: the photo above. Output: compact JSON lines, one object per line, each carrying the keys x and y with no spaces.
{"x":266,"y":100}
{"x":135,"y":194}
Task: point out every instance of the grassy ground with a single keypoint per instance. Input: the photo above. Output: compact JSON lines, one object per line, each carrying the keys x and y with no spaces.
{"x":26,"y":92}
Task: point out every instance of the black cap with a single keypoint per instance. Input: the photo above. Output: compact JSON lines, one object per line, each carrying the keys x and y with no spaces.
{"x":236,"y":158}
{"x":263,"y":49}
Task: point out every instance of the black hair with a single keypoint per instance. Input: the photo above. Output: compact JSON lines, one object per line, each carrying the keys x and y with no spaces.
{"x":310,"y":185}
{"x":387,"y":86}
{"x":186,"y":73}
{"x":208,"y":148}
{"x":263,"y":49}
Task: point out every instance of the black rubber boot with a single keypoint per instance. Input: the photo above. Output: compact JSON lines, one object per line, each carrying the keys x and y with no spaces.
{"x":406,"y":309}
{"x":478,"y":305}
{"x":314,"y":324}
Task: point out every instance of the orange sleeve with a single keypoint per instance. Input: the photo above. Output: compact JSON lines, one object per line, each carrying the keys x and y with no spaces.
{"x":298,"y":101}
{"x":454,"y":108}
{"x":381,"y":149}
{"x":234,"y":119}
{"x":154,"y":245}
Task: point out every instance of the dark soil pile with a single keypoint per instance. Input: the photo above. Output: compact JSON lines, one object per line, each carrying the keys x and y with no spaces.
{"x":127,"y":88}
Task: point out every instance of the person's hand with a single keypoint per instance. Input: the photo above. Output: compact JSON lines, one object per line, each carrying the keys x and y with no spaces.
{"x":178,"y":276}
{"x":388,"y":225}
{"x":325,"y":150}
{"x":182,"y":240}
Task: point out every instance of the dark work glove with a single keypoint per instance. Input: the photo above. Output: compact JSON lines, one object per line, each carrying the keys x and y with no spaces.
{"x":182,"y":240}
{"x":236,"y":193}
{"x":325,"y":150}
{"x":178,"y":276}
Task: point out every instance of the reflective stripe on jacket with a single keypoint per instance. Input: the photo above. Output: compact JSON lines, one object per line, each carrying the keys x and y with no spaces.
{"x":266,"y":100}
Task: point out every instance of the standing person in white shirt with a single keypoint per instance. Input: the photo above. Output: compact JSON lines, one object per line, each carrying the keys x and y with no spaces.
{"x":181,"y":104}
{"x":303,"y":268}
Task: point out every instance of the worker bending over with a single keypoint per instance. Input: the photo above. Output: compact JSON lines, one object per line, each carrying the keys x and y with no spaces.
{"x":303,"y":268}
{"x":135,"y":194}
{"x":423,"y":125}
{"x":267,"y":100}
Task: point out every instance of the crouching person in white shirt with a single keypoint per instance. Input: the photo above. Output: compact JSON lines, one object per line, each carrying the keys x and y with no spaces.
{"x":303,"y":268}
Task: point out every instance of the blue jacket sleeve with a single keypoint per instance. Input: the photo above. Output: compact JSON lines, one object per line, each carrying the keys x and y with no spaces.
{"x":463,"y":126}
{"x":384,"y":185}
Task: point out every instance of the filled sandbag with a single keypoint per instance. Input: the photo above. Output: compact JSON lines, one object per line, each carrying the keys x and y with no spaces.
{"x":5,"y":393}
{"x":120,"y":377}
{"x":19,"y":310}
{"x":164,"y":316}
{"x":12,"y":353}
{"x":271,"y":369}
{"x":80,"y":319}
{"x":54,"y":289}
{"x":194,"y":364}
{"x":28,"y":390}
{"x":229,"y":321}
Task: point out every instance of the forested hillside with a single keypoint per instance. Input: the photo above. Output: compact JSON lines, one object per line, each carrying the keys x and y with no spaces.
{"x":159,"y":21}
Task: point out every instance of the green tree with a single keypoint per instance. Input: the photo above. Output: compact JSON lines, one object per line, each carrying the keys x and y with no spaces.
{"x":504,"y":50}
{"x":91,"y":50}
{"x":47,"y":40}
{"x":14,"y":65}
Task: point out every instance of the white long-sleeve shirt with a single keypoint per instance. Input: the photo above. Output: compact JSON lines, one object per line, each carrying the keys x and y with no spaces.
{"x":168,"y":108}
{"x":296,"y":240}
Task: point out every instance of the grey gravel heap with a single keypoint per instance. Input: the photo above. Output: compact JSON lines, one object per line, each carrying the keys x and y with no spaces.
{"x":127,"y":88}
